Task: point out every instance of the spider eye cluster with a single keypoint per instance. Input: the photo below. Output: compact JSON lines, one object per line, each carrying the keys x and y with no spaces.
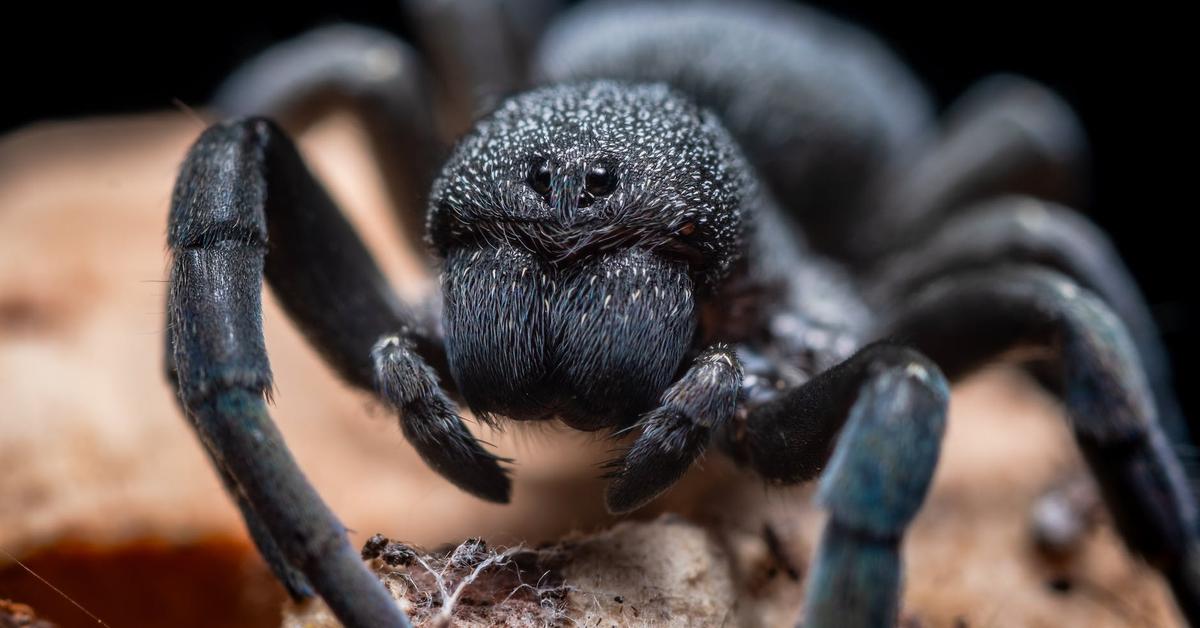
{"x":600,"y":180}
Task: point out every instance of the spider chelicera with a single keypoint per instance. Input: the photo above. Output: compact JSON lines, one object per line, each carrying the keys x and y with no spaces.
{"x":736,"y":227}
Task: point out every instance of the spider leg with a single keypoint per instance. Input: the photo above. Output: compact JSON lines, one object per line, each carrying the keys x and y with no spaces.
{"x":892,"y":403}
{"x":1007,"y":135}
{"x":367,"y":71}
{"x":1019,"y":229}
{"x":292,"y":579}
{"x":245,"y":206}
{"x":480,"y":48}
{"x":963,"y":321}
{"x":673,"y":435}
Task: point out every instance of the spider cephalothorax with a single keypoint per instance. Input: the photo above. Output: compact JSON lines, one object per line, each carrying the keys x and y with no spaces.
{"x":634,"y":245}
{"x":578,"y":225}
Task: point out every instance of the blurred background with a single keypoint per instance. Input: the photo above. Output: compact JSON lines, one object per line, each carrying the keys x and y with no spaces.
{"x":1122,"y":70}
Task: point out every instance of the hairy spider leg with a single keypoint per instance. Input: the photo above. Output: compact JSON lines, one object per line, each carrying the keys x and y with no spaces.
{"x":1025,"y":230}
{"x":893,"y":401}
{"x":431,"y":423}
{"x":366,"y":71}
{"x":963,"y":320}
{"x":1006,"y":135}
{"x":245,"y":206}
{"x":293,"y":579}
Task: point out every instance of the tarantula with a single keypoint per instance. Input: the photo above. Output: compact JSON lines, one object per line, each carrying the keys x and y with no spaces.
{"x":716,"y":226}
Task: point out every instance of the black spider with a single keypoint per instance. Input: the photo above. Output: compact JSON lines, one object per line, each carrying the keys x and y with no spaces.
{"x":723,"y":225}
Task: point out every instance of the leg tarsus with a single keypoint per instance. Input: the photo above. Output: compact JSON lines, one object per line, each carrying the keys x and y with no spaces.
{"x":302,"y":526}
{"x":856,"y":581}
{"x":293,"y":579}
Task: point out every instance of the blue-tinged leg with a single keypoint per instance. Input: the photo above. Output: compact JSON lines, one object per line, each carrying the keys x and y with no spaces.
{"x":888,"y":403}
{"x":963,"y":321}
{"x":307,"y":534}
{"x":292,"y":579}
{"x":873,"y":487}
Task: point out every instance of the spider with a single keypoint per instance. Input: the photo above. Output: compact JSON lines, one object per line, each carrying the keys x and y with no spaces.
{"x":736,"y":228}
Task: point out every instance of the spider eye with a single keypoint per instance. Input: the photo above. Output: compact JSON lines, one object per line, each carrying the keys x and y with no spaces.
{"x":601,"y":180}
{"x":539,"y":177}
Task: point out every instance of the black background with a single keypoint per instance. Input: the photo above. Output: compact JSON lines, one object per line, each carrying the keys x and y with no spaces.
{"x":1125,"y":70}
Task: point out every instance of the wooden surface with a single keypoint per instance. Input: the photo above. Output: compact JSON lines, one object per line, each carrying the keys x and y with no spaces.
{"x":96,"y":465}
